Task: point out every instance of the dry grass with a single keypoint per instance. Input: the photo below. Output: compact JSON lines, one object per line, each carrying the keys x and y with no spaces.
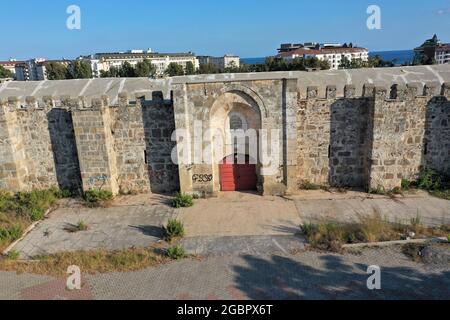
{"x":90,"y":262}
{"x":8,"y":223}
{"x":331,"y":236}
{"x":18,"y":211}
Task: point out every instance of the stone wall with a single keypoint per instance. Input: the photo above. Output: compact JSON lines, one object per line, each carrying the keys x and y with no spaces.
{"x":332,"y":142}
{"x":340,"y":136}
{"x":72,"y":144}
{"x":373,"y":140}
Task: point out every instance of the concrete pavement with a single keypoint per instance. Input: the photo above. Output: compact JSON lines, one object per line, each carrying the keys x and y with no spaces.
{"x":132,"y":221}
{"x":307,"y":275}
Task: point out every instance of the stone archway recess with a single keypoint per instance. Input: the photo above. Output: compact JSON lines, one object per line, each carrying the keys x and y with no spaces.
{"x":235,"y":99}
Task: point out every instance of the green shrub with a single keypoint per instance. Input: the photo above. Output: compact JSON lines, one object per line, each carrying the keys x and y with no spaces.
{"x":13,"y":255}
{"x":37,"y":214}
{"x":448,"y":238}
{"x":95,"y":197}
{"x":176,"y":252}
{"x":7,"y":203}
{"x":406,"y":184}
{"x":173,"y":229}
{"x":183,"y":200}
{"x":34,"y":204}
{"x":62,"y":193}
{"x":429,"y":180}
{"x":14,"y":233}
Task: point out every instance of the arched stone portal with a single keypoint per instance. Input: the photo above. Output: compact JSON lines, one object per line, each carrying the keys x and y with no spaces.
{"x":235,"y":121}
{"x":264,"y":111}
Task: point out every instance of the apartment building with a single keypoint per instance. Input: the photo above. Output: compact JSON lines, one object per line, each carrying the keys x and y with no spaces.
{"x":105,"y":61}
{"x":334,"y":53}
{"x":443,"y":54}
{"x":227,"y":61}
{"x":432,"y":51}
{"x":10,"y":65}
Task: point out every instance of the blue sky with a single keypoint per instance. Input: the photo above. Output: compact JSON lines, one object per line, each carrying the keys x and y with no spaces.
{"x":249,"y":28}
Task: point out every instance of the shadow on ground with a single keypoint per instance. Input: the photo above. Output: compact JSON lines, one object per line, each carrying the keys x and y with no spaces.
{"x":151,"y":231}
{"x":284,"y":278}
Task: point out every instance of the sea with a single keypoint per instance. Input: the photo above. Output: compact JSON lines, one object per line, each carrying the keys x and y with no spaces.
{"x":399,"y":57}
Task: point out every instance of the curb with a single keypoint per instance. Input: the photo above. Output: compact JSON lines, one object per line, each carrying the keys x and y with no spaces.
{"x":26,"y":232}
{"x":389,"y":243}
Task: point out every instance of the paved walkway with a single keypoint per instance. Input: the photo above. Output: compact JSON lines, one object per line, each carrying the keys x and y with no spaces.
{"x":307,"y":275}
{"x":239,"y":223}
{"x":239,"y":245}
{"x":241,"y":214}
{"x":132,"y":222}
{"x":344,"y":207}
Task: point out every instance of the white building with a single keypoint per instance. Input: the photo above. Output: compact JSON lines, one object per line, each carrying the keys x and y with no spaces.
{"x":443,"y":54}
{"x":104,"y":61}
{"x":10,"y":65}
{"x":333,"y":53}
{"x":227,"y":61}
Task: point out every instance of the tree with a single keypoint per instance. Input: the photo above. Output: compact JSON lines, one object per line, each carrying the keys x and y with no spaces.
{"x":345,"y":63}
{"x":5,"y":73}
{"x":174,"y":69}
{"x":127,"y":70}
{"x":324,"y":65}
{"x":56,"y":71}
{"x":145,"y":69}
{"x":208,"y":69}
{"x":81,"y":70}
{"x":190,"y":68}
{"x":312,"y":62}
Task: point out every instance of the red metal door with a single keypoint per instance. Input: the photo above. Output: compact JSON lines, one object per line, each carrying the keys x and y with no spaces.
{"x":246,"y":177}
{"x":237,"y":177}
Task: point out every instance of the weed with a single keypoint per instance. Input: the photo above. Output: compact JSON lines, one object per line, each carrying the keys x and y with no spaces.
{"x":173,"y":229}
{"x":183,"y":201}
{"x":176,"y":252}
{"x":13,"y":255}
{"x":94,"y":198}
{"x":331,"y":236}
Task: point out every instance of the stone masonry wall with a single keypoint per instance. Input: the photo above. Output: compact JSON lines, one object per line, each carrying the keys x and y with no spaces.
{"x":368,"y":140}
{"x":332,"y":138}
{"x":373,"y":140}
{"x":72,"y":144}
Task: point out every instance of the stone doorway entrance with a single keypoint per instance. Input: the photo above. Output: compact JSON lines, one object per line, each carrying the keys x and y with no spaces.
{"x":237,"y":175}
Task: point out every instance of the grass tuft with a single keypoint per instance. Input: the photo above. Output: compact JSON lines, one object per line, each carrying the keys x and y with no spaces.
{"x":173,"y":229}
{"x":97,"y":198}
{"x":176,"y":252}
{"x":183,"y":201}
{"x":331,"y":236}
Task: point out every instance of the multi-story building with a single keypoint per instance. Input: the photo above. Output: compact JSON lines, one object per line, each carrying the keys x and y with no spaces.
{"x":104,"y":61}
{"x":35,"y":69}
{"x":334,"y":53}
{"x":443,"y":54}
{"x":227,"y":61}
{"x":432,"y":51}
{"x":10,"y":65}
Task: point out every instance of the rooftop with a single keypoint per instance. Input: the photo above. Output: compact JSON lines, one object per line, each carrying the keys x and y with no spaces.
{"x":328,"y":50}
{"x":90,"y":88}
